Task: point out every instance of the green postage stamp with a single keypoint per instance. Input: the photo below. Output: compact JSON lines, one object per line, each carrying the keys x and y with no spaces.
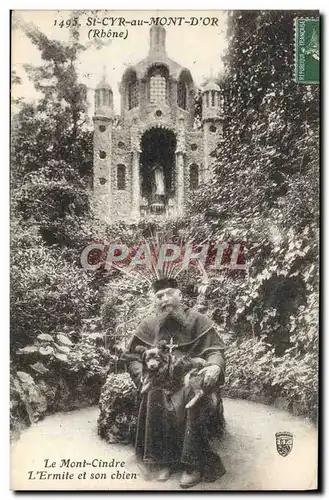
{"x":307,"y":50}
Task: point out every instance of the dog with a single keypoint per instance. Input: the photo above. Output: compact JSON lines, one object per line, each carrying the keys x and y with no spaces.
{"x":156,"y":363}
{"x":163,"y":370}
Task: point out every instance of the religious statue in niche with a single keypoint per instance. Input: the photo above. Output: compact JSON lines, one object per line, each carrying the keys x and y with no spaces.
{"x":158,"y":184}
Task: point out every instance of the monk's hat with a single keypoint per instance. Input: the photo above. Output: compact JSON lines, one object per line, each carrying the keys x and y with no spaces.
{"x":163,"y":283}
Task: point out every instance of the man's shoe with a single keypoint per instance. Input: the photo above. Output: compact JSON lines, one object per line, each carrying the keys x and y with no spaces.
{"x":190,"y":478}
{"x":210,"y":476}
{"x":213,"y":473}
{"x":163,"y":474}
{"x":147,"y":470}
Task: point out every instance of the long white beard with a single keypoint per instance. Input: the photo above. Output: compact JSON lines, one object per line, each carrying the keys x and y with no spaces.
{"x":176,"y":313}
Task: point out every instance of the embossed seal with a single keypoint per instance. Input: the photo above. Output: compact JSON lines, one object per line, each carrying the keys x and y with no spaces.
{"x":284,"y":442}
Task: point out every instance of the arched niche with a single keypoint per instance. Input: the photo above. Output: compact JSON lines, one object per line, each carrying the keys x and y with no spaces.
{"x":184,"y":87}
{"x":131,"y":89}
{"x":158,"y":146}
{"x":194,"y":176}
{"x":121,"y":177}
{"x":158,"y":84}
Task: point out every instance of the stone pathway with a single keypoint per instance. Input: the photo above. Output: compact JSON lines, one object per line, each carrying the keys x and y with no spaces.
{"x":248,"y":452}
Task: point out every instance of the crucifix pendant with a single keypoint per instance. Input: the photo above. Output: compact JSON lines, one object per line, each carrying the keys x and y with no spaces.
{"x":171,"y":345}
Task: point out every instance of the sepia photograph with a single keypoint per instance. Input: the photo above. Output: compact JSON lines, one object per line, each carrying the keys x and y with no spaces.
{"x":164,"y":250}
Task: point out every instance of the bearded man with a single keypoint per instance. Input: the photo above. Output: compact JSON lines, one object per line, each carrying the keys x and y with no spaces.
{"x":168,"y":434}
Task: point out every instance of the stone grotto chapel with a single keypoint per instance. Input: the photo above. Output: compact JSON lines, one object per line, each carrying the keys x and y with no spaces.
{"x":148,"y":161}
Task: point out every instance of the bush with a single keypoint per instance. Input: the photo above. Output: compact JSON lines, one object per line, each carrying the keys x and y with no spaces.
{"x":255,"y":372}
{"x":56,"y":374}
{"x":118,"y":406}
{"x":47,"y":294}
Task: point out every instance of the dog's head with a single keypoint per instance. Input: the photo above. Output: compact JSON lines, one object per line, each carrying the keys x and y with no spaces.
{"x":156,"y":358}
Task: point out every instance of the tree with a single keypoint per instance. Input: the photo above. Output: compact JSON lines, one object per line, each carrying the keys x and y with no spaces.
{"x":52,"y":146}
{"x":51,"y":162}
{"x":264,"y":194}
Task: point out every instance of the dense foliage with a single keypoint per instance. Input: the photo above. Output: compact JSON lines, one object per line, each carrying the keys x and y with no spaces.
{"x":51,"y":296}
{"x":264,"y":195}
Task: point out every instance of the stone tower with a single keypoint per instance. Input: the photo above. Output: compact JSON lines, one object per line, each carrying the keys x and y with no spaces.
{"x":212,"y":122}
{"x":150,"y":158}
{"x":103,"y":126}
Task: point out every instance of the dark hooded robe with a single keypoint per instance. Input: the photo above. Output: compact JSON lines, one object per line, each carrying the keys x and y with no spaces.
{"x":167,"y":433}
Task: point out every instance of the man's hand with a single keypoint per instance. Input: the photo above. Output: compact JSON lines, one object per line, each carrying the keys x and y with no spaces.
{"x":145,"y":385}
{"x":211,"y":375}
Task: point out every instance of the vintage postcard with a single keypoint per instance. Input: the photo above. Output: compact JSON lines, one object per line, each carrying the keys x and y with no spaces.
{"x":164,"y":250}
